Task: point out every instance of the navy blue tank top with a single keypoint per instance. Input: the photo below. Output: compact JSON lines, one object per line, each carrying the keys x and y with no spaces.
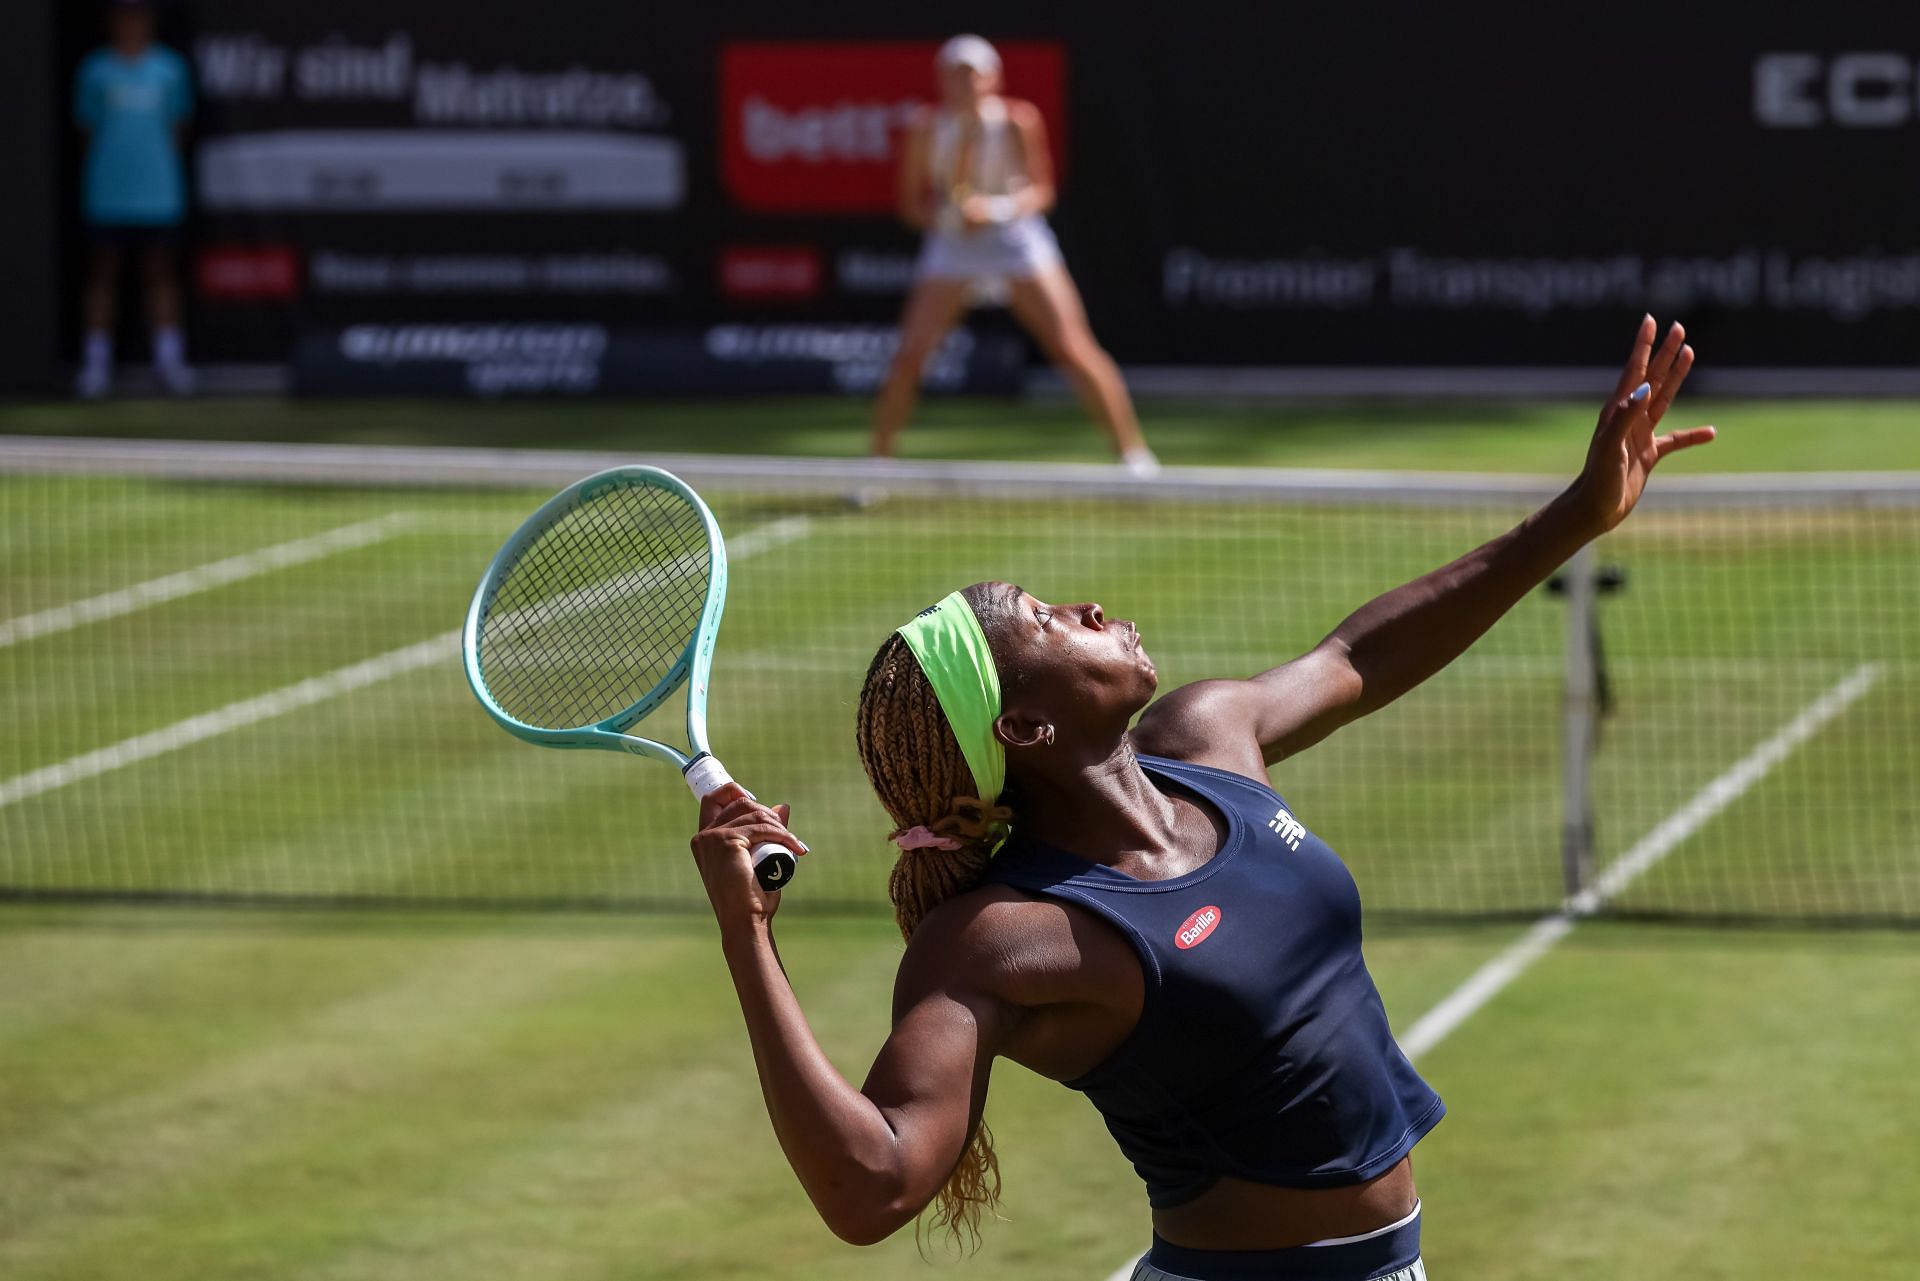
{"x":1262,"y":1049}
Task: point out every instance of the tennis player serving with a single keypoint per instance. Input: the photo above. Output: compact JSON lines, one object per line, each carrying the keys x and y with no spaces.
{"x":1136,"y":914}
{"x":977,"y":179}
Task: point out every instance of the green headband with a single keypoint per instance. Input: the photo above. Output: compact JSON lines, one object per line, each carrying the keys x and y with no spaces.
{"x":952,"y":650}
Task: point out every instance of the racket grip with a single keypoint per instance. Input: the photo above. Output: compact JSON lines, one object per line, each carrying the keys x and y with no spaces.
{"x":773,"y":865}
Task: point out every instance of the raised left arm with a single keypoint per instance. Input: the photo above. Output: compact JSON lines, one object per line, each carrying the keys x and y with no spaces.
{"x":1395,"y":641}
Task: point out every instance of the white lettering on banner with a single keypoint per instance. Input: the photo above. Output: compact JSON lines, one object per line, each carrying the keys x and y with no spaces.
{"x":863,"y":271}
{"x":1844,"y":288}
{"x":453,"y":93}
{"x":339,"y":70}
{"x":334,"y":272}
{"x":1312,"y":282}
{"x":615,"y":273}
{"x":858,"y":354}
{"x":1861,"y":90}
{"x":497,"y":358}
{"x":414,"y":344}
{"x":1783,"y":93}
{"x":844,"y":131}
{"x":239,"y":66}
{"x":1848,"y":287}
{"x":1535,"y":286}
{"x":245,"y":65}
{"x":1870,"y":90}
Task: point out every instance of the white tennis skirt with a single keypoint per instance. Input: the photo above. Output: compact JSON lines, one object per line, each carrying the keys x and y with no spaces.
{"x":1017,"y":250}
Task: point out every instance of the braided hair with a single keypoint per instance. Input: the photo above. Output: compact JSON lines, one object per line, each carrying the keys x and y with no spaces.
{"x":921,"y":777}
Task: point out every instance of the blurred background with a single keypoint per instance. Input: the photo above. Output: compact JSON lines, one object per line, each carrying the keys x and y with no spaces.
{"x":308,"y":970}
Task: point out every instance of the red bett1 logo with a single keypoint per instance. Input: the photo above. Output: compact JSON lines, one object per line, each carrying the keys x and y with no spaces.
{"x":817,"y":127}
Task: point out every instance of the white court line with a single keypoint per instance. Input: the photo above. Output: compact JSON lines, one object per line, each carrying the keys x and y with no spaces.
{"x":306,"y":693}
{"x":201,"y":578}
{"x":762,"y":537}
{"x":1485,"y":983}
{"x":1436,"y":1024}
{"x":234,"y":715}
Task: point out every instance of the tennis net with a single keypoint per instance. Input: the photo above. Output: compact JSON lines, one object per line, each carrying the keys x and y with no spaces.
{"x":230,"y":672}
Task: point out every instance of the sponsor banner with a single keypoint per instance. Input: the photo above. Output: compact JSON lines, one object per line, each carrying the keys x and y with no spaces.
{"x":1274,"y":185}
{"x":816,"y":127}
{"x":512,"y":358}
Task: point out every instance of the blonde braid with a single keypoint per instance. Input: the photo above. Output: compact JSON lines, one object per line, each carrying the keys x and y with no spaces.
{"x":917,"y":770}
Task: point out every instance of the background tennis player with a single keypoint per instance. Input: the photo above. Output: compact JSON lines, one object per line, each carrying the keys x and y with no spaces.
{"x":1136,"y":913}
{"x":978,"y":180}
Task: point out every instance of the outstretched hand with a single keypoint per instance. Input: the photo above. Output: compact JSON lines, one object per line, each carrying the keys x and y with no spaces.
{"x":1625,"y":447}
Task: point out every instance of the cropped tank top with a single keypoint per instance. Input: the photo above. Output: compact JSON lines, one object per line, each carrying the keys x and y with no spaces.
{"x":1262,"y":1050}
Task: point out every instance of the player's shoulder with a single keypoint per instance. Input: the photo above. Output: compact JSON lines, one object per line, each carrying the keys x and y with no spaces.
{"x":169,"y":58}
{"x":988,"y":935}
{"x":1021,"y":110}
{"x":1195,"y":720}
{"x":97,"y":62}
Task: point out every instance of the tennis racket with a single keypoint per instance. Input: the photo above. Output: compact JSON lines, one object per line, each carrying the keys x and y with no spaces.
{"x":602,"y":605}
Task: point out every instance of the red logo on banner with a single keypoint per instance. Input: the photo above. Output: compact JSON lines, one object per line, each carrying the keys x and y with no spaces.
{"x":817,"y":127}
{"x":248,"y":273}
{"x":1194,"y":930}
{"x":770,"y":271}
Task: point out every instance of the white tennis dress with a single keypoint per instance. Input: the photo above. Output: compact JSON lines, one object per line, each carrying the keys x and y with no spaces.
{"x":1017,"y":248}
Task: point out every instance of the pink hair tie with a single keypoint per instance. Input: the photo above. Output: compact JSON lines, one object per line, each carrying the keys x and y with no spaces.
{"x":924,"y":838}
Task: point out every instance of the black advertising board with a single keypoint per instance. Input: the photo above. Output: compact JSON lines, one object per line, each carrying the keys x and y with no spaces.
{"x":670,"y":186}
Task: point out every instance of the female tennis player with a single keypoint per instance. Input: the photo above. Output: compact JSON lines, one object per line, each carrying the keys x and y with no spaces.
{"x":1158,"y":929}
{"x":977,"y":179}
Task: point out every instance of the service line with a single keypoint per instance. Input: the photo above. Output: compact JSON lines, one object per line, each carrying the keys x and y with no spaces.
{"x":201,"y":578}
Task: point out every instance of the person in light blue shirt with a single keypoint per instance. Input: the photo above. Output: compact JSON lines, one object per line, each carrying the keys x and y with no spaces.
{"x":132,"y":100}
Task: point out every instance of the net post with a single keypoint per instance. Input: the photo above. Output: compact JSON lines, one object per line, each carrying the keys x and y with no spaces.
{"x":1579,"y":708}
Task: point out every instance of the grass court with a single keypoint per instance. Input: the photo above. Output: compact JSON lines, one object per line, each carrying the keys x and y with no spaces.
{"x":209,"y":1091}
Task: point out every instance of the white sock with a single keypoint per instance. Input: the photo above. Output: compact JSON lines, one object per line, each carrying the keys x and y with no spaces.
{"x":169,"y":348}
{"x":98,"y":350}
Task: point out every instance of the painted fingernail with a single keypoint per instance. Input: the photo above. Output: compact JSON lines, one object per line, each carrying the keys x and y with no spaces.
{"x":804,"y":847}
{"x":1641,"y":392}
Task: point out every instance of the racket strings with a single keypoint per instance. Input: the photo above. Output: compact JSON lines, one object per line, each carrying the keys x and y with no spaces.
{"x":596,"y":610}
{"x":597,"y":641}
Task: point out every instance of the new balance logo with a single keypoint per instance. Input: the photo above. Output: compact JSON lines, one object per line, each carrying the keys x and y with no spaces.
{"x":1288,"y":828}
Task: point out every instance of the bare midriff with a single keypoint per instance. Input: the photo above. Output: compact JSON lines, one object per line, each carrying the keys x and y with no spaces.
{"x":1234,"y":1214}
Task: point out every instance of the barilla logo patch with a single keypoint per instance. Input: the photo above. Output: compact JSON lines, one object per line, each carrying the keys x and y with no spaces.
{"x":1196,"y":928}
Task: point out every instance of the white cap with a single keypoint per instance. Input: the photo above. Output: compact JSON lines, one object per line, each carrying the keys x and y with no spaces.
{"x":968,"y":51}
